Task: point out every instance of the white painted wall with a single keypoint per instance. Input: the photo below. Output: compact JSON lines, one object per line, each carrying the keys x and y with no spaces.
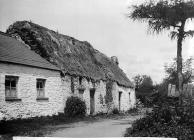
{"x":57,"y":89}
{"x":29,"y":106}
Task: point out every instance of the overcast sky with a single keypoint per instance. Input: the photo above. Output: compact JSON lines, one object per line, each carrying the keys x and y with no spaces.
{"x":104,"y":24}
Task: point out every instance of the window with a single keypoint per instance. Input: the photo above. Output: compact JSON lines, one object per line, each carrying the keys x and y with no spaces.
{"x":40,"y":86}
{"x":11,"y":86}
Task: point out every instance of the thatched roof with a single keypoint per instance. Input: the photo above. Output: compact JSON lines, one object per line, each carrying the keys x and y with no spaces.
{"x":70,"y":55}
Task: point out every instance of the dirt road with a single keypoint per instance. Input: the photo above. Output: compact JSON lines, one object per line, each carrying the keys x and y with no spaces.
{"x":100,"y":128}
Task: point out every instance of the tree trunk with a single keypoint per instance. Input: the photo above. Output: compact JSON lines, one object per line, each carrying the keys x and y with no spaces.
{"x":179,"y":61}
{"x":179,"y":66}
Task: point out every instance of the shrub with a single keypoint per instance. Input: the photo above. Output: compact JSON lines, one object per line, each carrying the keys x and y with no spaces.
{"x":75,"y":107}
{"x":165,"y":121}
{"x":132,"y":111}
{"x":115,"y":111}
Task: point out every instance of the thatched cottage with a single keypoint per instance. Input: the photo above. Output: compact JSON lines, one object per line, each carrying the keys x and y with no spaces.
{"x":41,"y":68}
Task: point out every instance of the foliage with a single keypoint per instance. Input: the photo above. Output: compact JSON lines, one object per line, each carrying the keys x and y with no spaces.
{"x":108,"y":96}
{"x":101,"y":99}
{"x":143,"y":83}
{"x":167,"y":15}
{"x":75,"y":107}
{"x":167,"y":120}
{"x":164,"y":15}
{"x":133,"y":111}
{"x":144,"y":87}
{"x":115,"y":111}
{"x":137,"y":80}
{"x":171,"y":72}
{"x":31,"y":126}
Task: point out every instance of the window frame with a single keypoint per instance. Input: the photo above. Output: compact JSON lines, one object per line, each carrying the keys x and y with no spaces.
{"x":9,"y":90}
{"x":40,"y":89}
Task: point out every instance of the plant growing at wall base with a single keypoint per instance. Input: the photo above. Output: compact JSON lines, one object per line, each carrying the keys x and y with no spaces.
{"x":75,"y":107}
{"x":115,"y":111}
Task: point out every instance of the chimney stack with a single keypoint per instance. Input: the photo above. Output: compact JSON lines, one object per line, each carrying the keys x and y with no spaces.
{"x":115,"y":60}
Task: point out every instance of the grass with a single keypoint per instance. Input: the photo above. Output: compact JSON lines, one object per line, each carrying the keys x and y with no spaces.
{"x":36,"y":126}
{"x":39,"y":126}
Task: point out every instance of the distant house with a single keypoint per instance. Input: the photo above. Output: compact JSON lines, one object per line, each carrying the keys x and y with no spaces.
{"x":31,"y":86}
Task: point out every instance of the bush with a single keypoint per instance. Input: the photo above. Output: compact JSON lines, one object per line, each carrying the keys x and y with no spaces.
{"x":115,"y":111}
{"x":75,"y":107}
{"x":132,"y":111}
{"x":167,"y":120}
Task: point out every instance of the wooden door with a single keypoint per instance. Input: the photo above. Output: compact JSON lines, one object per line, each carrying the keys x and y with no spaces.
{"x":120,"y":93}
{"x":92,"y":101}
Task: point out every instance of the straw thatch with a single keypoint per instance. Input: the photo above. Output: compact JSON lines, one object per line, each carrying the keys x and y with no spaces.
{"x":72,"y":56}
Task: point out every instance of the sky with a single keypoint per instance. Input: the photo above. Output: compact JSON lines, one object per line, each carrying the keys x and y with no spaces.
{"x":105,"y":25}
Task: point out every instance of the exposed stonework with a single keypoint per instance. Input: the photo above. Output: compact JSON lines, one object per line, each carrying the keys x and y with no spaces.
{"x":29,"y":106}
{"x":128,"y":98}
{"x":100,"y":90}
{"x":57,"y":89}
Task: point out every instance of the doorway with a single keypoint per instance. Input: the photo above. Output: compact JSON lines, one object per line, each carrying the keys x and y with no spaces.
{"x":92,"y":101}
{"x":120,"y":93}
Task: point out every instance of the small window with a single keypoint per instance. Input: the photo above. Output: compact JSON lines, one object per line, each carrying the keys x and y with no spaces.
{"x":40,"y":86}
{"x":11,"y":86}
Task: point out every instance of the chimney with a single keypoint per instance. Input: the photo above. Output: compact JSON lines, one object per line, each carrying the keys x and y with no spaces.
{"x":115,"y":60}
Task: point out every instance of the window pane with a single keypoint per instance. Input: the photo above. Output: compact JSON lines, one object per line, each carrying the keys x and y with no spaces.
{"x":38,"y":84}
{"x":13,"y":92}
{"x":7,"y":83}
{"x":10,"y":86}
{"x":41,"y":84}
{"x":13,"y":83}
{"x":7,"y":92}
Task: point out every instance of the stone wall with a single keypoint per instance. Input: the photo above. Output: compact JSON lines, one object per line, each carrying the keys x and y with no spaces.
{"x":26,"y":91}
{"x":87,"y":85}
{"x":128,"y":98}
{"x":57,"y":89}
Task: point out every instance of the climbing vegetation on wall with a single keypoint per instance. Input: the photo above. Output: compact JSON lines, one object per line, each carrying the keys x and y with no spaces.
{"x":108,"y":97}
{"x":101,"y":99}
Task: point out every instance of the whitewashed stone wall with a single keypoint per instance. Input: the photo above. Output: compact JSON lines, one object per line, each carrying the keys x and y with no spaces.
{"x":128,"y":98}
{"x":57,"y":89}
{"x":100,"y":91}
{"x":26,"y":90}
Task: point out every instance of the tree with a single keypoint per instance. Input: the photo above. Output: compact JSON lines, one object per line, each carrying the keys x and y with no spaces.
{"x":143,"y":88}
{"x":137,"y":80}
{"x":143,"y":83}
{"x":167,"y":15}
{"x":171,"y":72}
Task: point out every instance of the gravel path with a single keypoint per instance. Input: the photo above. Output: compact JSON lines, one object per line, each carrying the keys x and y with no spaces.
{"x":99,"y":128}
